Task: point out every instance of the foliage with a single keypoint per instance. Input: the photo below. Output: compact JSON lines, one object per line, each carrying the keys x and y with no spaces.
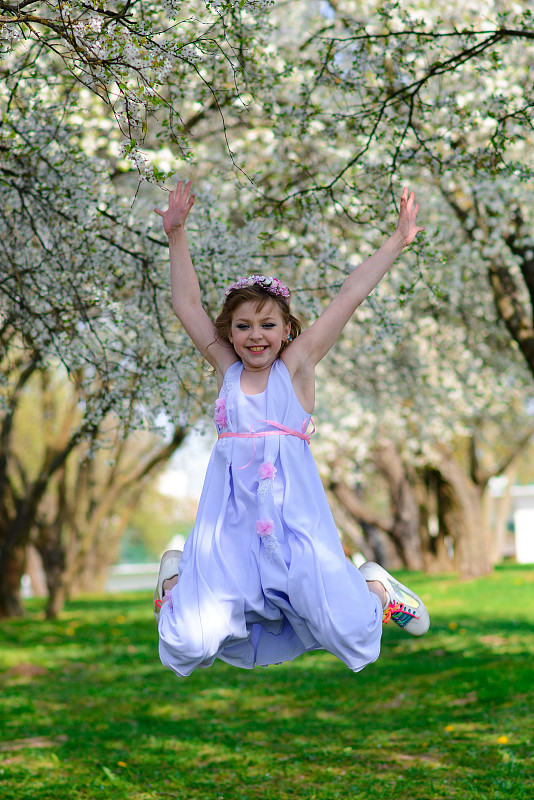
{"x":90,"y":712}
{"x":156,"y":519}
{"x":76,"y":285}
{"x":84,"y":283}
{"x":311,"y":115}
{"x":318,"y":112}
{"x":71,"y":496}
{"x":138,"y":58}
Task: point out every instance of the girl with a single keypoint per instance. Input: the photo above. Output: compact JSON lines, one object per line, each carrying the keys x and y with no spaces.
{"x":263,"y":577}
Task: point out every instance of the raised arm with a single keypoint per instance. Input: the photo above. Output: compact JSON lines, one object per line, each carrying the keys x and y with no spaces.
{"x":315,"y":342}
{"x":185,"y":289}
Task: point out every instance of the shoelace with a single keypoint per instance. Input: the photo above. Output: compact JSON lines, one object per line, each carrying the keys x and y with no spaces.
{"x":399,"y":614}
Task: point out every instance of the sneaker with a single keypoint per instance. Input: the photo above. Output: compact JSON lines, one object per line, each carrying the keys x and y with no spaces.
{"x":168,"y":568}
{"x":402,"y":605}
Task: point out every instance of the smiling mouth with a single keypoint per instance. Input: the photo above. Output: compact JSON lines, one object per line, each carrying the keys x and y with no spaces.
{"x":258,"y":348}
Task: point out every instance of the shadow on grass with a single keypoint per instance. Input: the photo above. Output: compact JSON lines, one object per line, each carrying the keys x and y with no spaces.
{"x":88,"y":711}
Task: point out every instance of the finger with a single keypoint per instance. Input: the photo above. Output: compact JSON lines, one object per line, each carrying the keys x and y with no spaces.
{"x":187,"y":189}
{"x":157,"y":211}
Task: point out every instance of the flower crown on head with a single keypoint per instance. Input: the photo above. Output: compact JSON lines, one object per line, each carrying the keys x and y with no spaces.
{"x":273,"y":285}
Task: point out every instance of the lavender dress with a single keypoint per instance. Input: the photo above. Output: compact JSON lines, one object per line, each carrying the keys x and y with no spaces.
{"x":263,"y":577}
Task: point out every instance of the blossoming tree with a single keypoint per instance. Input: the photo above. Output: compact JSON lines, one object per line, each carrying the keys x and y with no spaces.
{"x":315,"y":111}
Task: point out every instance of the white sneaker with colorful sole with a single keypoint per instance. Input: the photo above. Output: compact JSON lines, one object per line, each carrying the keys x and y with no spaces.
{"x":168,"y":568}
{"x":402,"y":605}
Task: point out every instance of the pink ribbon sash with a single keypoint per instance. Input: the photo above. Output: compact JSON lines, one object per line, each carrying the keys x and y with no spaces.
{"x":281,"y":430}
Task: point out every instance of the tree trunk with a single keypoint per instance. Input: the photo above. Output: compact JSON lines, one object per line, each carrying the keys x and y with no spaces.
{"x":35,"y":572}
{"x":461,"y":515}
{"x":16,"y":536}
{"x":82,"y":522}
{"x":377,"y":529}
{"x":93,"y":573}
{"x":404,"y":506}
{"x":53,"y":557}
{"x":436,"y":550}
{"x":10,"y":596}
{"x":352,"y":534}
{"x":401,"y":525}
{"x":382,"y":547}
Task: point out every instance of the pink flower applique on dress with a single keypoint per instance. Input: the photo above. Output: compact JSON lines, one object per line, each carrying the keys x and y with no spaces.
{"x":266,"y":470}
{"x":266,"y":473}
{"x":265,"y":530}
{"x":220,"y":412}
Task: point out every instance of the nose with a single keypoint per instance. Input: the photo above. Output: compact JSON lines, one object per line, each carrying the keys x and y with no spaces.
{"x":256,"y":333}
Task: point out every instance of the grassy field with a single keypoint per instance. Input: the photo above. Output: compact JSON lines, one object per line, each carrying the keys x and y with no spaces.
{"x":88,"y":712}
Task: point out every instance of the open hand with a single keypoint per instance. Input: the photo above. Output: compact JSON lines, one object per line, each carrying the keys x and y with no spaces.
{"x":180,"y":204}
{"x":406,"y":225}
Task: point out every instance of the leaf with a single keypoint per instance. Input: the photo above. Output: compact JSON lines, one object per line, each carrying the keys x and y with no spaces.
{"x":111,"y":775}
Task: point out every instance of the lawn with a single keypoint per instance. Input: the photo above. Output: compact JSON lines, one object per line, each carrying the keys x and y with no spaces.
{"x":87,"y":711}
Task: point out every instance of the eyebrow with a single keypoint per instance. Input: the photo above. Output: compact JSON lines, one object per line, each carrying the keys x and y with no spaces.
{"x":269,"y":318}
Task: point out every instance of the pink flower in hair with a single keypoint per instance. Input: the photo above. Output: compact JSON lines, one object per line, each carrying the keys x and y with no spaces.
{"x":273,"y":285}
{"x":265,"y":527}
{"x":220,"y":412}
{"x":266,"y":470}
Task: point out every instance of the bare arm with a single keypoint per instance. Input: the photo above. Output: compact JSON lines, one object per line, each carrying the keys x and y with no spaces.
{"x":185,"y":289}
{"x":315,"y":342}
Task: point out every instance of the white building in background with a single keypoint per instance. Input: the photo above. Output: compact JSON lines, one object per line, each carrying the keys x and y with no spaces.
{"x":514,"y":507}
{"x":523,"y":510}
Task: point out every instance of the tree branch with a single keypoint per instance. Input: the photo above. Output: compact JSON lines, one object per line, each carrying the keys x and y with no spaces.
{"x":359,"y":510}
{"x":523,"y":248}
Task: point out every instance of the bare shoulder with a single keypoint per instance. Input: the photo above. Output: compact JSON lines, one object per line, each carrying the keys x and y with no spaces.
{"x":302,"y":374}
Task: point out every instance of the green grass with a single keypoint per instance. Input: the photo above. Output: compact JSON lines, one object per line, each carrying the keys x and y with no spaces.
{"x":88,"y":712}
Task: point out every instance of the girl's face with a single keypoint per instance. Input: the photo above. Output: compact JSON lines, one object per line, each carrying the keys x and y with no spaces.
{"x":257,"y":336}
